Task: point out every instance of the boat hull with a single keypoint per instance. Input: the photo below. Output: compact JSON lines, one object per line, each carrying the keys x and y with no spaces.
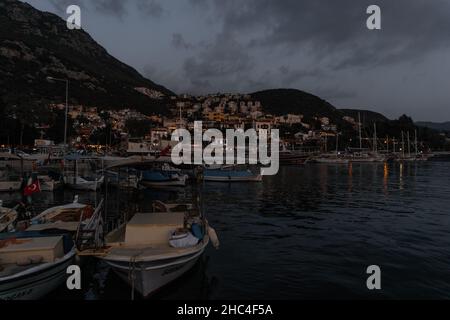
{"x":9,"y":186}
{"x":168,"y":183}
{"x":232,"y":179}
{"x":149,"y":276}
{"x":35,"y":284}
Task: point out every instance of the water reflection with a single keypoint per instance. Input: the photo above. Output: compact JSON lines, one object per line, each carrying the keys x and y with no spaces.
{"x":308,"y":232}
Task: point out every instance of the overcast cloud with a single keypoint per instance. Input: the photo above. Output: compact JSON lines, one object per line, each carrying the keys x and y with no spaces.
{"x":320,"y":46}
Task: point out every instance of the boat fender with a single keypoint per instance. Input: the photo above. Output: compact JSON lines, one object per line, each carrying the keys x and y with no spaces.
{"x":197,"y":231}
{"x":214,"y":238}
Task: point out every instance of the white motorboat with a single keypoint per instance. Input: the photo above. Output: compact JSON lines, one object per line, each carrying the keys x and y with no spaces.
{"x":32,"y":264}
{"x":154,"y":249}
{"x":83,"y":183}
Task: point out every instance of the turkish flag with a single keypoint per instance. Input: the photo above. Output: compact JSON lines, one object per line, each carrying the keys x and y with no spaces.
{"x":33,"y":187}
{"x":165,"y":151}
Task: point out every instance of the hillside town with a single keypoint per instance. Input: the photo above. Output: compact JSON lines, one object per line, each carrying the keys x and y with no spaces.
{"x":220,"y":111}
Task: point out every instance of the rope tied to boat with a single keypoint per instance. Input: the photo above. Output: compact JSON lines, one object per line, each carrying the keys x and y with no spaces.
{"x":132,"y":274}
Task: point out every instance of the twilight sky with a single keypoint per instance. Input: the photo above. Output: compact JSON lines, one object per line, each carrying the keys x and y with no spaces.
{"x":319,"y":46}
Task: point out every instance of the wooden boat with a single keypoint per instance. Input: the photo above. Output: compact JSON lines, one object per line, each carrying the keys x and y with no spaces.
{"x":8,"y":218}
{"x":65,"y":217}
{"x":154,"y":249}
{"x":32,"y":264}
{"x":231,"y":174}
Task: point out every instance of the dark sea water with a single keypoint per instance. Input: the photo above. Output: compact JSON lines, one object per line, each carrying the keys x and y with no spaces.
{"x":308,"y":233}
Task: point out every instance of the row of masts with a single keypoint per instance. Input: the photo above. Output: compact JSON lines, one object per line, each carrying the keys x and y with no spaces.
{"x":394,"y":141}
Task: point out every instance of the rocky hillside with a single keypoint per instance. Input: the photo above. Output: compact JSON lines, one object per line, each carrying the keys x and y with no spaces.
{"x":35,"y":45}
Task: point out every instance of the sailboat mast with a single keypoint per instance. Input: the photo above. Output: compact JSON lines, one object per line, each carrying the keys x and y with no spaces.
{"x":415,"y":141}
{"x":375,"y":147}
{"x":403,"y":145}
{"x":359,"y":129}
{"x":337,"y":143}
{"x":409,"y":145}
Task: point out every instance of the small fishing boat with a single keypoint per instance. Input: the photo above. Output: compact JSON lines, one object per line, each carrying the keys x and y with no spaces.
{"x":231,"y":174}
{"x":8,"y":218}
{"x":122,"y":180}
{"x":65,"y":217}
{"x":154,"y":249}
{"x":160,"y":178}
{"x":32,"y":264}
{"x":83,"y":183}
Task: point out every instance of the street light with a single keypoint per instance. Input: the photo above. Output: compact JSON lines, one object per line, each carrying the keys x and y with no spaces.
{"x":67,"y":105}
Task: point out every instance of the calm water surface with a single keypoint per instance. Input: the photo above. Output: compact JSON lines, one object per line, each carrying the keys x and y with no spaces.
{"x":308,"y":233}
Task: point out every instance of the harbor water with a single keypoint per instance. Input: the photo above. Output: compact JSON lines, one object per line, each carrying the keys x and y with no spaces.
{"x":309,"y":232}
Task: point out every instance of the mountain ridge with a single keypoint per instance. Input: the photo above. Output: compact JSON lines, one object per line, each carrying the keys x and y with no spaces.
{"x":35,"y":45}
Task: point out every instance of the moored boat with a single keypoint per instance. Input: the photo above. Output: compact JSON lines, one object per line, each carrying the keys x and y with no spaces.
{"x":154,"y":249}
{"x":161,"y":178}
{"x":83,"y":183}
{"x":231,"y":174}
{"x":32,"y":264}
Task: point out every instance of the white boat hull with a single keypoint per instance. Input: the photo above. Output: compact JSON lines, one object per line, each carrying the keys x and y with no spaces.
{"x":10,"y":186}
{"x":331,"y":161}
{"x":149,"y":276}
{"x":81,"y":184}
{"x":37,"y":282}
{"x":169,"y":183}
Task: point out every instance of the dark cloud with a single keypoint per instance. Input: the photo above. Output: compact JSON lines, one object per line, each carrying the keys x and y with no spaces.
{"x":321,"y":46}
{"x":337,"y":29}
{"x":224,"y":58}
{"x":179,"y":42}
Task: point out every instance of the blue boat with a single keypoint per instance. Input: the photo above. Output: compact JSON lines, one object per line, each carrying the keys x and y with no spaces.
{"x":231,"y":174}
{"x":162,"y":178}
